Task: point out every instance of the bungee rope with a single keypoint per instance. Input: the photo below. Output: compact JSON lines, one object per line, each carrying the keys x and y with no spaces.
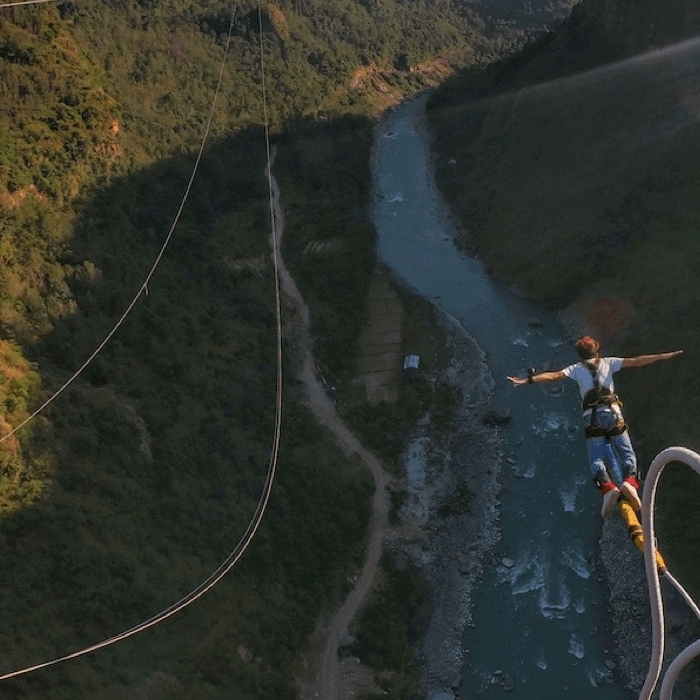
{"x":654,"y":565}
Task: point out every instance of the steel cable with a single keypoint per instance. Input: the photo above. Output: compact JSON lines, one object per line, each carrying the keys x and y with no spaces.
{"x":25,"y":2}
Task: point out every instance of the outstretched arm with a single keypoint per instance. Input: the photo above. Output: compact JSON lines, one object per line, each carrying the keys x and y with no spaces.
{"x":537,"y":378}
{"x":642,"y":360}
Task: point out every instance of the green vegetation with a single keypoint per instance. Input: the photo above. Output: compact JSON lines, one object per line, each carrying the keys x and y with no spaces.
{"x":385,"y":427}
{"x":552,"y":205}
{"x":386,"y":626}
{"x":325,"y":179}
{"x":25,"y":470}
{"x":143,"y":475}
{"x":146,"y":473}
{"x":397,"y":499}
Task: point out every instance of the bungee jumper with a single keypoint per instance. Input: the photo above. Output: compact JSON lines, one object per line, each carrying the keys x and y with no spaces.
{"x":602,"y":415}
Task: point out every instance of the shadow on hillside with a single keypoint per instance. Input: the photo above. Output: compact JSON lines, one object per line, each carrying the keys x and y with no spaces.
{"x":595,"y":34}
{"x":592,"y":162}
{"x":161,"y":446}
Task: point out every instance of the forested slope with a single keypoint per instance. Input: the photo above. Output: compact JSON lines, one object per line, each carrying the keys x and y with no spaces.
{"x":139,"y":479}
{"x":582,"y":189}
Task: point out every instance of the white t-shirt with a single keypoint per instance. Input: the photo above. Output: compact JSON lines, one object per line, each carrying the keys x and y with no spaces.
{"x":607,"y":366}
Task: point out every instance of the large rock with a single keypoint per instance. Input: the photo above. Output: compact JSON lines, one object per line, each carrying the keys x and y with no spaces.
{"x":497,"y":416}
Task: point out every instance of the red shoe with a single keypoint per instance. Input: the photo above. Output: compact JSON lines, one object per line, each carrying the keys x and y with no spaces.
{"x":610,"y":495}
{"x":629,"y":490}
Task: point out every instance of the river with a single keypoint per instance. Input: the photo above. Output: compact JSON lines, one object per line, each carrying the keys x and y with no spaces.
{"x":539,"y":612}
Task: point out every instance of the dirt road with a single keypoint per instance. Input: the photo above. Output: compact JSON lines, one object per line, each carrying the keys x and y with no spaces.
{"x":326,"y":685}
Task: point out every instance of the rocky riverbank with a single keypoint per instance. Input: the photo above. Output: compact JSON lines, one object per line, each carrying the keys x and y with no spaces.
{"x":449,"y":525}
{"x":449,"y":518}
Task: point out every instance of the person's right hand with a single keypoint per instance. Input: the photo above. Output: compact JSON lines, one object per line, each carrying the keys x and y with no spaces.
{"x":516,"y":380}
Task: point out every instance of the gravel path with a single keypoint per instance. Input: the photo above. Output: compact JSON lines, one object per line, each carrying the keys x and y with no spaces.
{"x":327,"y":683}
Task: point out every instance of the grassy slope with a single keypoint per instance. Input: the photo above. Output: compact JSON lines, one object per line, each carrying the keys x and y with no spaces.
{"x":571,"y":194}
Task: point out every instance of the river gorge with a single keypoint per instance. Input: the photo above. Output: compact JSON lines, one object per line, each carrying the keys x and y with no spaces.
{"x":535,"y":620}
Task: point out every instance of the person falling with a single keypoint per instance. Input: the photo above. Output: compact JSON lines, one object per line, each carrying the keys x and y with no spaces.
{"x":602,"y":415}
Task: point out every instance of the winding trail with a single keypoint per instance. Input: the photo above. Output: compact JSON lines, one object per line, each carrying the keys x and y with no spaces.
{"x":327,"y":683}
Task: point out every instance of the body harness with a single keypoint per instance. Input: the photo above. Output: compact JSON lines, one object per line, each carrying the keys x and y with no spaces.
{"x":602,"y":396}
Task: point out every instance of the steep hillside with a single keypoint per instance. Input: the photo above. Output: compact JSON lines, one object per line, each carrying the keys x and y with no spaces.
{"x":595,"y":33}
{"x":583,"y":191}
{"x":139,"y":479}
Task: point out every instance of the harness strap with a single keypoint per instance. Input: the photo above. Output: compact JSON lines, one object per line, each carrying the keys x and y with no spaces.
{"x":600,"y":399}
{"x":592,"y":431}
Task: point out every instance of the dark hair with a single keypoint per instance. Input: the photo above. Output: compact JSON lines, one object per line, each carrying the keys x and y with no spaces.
{"x":587,"y":347}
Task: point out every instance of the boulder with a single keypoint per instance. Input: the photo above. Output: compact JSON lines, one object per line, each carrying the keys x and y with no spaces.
{"x":497,"y":416}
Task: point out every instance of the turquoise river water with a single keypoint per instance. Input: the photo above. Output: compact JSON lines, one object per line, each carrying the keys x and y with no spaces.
{"x":540,"y":620}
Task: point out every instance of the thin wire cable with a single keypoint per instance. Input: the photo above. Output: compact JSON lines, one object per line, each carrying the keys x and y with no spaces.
{"x":274,"y":237}
{"x":25,"y":2}
{"x":256,"y":520}
{"x":144,"y":286}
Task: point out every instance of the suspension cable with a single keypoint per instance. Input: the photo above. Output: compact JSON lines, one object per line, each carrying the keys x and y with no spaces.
{"x":144,"y":286}
{"x":274,"y":236}
{"x":691,"y":459}
{"x":256,"y":520}
{"x":25,"y":2}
